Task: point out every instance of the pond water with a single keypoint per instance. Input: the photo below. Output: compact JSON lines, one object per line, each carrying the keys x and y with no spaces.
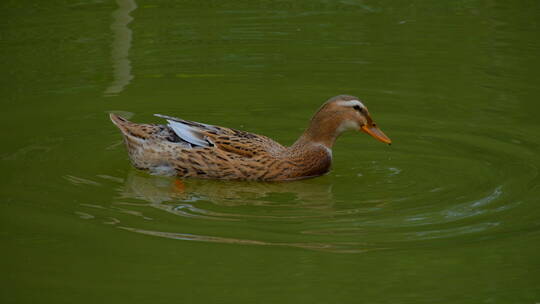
{"x":449,"y":213}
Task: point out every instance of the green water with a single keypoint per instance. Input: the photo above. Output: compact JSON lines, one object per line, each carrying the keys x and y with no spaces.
{"x":450,"y":213}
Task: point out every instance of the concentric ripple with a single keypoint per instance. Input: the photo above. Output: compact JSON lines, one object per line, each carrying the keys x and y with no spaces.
{"x":435,"y":188}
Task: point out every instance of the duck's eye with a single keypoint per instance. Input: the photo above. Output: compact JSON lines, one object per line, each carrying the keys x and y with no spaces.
{"x":357,"y":108}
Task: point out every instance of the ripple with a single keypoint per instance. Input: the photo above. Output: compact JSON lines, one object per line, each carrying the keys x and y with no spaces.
{"x":439,"y":186}
{"x":338,"y":248}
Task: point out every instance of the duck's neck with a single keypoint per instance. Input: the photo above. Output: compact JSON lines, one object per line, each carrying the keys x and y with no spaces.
{"x":321,"y":131}
{"x":313,"y":150}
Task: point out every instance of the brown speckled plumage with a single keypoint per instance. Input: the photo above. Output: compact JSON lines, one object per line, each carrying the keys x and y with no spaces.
{"x":190,"y":149}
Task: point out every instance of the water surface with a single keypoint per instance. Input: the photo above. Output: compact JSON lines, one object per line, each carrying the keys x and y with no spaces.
{"x":449,"y":213}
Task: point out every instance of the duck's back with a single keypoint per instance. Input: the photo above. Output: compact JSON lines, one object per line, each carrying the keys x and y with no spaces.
{"x":190,"y":149}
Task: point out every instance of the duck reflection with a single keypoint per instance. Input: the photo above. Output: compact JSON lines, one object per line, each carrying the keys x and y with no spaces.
{"x":160,"y":189}
{"x":307,"y":207}
{"x":195,"y":198}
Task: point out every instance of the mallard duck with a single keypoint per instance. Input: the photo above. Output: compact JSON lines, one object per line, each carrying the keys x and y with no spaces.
{"x":191,"y":149}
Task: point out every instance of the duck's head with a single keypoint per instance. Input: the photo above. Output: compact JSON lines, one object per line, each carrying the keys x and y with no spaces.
{"x":345,"y":112}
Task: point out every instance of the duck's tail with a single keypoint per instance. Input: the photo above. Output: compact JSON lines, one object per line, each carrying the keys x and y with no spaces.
{"x":141,"y":144}
{"x":129,"y":129}
{"x":135,"y":137}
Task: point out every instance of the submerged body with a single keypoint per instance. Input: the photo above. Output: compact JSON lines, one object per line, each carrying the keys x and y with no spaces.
{"x":190,"y":149}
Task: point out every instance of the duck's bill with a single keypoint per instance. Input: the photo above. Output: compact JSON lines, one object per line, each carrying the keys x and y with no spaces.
{"x":376,"y":133}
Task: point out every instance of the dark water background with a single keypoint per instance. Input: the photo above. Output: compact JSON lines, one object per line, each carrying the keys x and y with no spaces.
{"x":448,"y":214}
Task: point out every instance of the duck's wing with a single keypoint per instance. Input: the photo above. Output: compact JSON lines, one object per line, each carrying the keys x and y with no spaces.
{"x":190,"y":131}
{"x":230,"y":140}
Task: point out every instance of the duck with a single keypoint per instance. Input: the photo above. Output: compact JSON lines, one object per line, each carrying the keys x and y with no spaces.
{"x":189,"y":149}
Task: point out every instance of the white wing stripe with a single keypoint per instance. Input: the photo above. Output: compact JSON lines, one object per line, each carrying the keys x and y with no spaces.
{"x":351,"y":103}
{"x":188,"y":133}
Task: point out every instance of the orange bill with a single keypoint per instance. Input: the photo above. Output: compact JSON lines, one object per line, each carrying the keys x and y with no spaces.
{"x":374,"y":131}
